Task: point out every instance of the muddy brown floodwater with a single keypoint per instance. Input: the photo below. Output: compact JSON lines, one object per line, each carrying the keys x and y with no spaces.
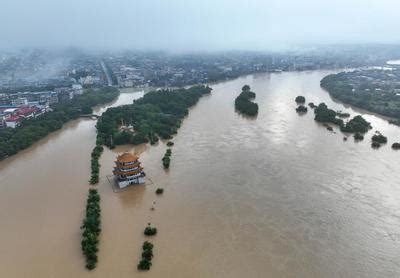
{"x":275,"y":196}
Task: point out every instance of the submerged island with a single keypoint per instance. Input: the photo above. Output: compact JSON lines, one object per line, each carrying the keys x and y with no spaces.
{"x":158,"y":114}
{"x":243,"y":102}
{"x":300,"y":100}
{"x":378,"y":139}
{"x":301,"y":108}
{"x":356,"y":125}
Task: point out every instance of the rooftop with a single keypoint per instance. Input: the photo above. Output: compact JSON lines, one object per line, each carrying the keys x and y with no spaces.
{"x":127,"y":157}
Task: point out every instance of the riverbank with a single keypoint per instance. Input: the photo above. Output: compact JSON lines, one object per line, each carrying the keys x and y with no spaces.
{"x":243,"y":197}
{"x":370,"y":89}
{"x":33,"y":129}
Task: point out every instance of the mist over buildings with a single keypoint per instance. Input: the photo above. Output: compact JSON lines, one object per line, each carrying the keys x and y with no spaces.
{"x":187,"y":25}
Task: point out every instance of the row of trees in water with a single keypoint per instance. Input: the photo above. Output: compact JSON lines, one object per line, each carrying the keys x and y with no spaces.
{"x":300,"y":100}
{"x":158,"y":114}
{"x":94,"y":163}
{"x":325,"y":115}
{"x":12,"y":140}
{"x":357,"y":125}
{"x":91,"y":229}
{"x":166,"y":160}
{"x":147,"y":255}
{"x":243,"y":102}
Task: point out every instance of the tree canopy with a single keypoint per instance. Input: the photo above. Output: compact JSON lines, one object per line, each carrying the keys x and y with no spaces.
{"x":34,"y":129}
{"x":156,"y":114}
{"x":243,"y":102}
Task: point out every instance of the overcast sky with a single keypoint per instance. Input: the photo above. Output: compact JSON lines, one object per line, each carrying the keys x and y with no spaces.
{"x":185,"y":25}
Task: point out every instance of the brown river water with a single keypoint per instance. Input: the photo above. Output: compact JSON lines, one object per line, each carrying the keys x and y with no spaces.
{"x":274,"y":196}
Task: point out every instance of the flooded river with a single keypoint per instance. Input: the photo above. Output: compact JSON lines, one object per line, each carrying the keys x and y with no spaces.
{"x":274,"y":196}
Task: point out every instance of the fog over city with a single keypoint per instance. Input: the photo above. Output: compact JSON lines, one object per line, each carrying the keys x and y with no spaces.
{"x":179,"y":25}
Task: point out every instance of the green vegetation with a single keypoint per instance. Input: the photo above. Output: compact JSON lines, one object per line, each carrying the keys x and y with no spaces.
{"x":159,"y":191}
{"x":379,"y":138}
{"x":243,"y":103}
{"x":301,"y":109}
{"x":372,"y":89}
{"x":394,"y":122}
{"x":325,"y":115}
{"x":144,"y":264}
{"x":341,"y":114}
{"x":375,"y":145}
{"x":166,"y":160}
{"x":147,"y":245}
{"x":358,"y":136}
{"x":156,"y":114}
{"x":246,"y":88}
{"x":147,"y":256}
{"x":170,"y":143}
{"x":357,"y":124}
{"x":91,"y":229}
{"x":95,"y":165}
{"x":300,"y":100}
{"x":150,"y":231}
{"x":312,"y":105}
{"x":153,"y":138}
{"x":396,"y":146}
{"x":34,"y":129}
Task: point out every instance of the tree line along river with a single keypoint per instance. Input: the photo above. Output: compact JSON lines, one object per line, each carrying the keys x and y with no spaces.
{"x":273,"y":196}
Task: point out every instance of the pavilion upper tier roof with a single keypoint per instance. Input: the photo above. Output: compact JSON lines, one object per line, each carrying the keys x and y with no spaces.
{"x":127,"y":157}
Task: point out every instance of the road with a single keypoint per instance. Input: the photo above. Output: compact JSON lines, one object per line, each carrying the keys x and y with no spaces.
{"x":106,"y":72}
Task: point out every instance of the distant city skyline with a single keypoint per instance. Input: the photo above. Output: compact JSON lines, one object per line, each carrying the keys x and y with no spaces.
{"x":177,"y":25}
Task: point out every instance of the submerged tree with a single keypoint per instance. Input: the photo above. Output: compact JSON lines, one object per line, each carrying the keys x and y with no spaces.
{"x":243,"y":103}
{"x":300,"y":99}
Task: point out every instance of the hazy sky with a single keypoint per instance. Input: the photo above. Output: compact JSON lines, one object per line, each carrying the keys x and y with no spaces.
{"x":196,"y":25}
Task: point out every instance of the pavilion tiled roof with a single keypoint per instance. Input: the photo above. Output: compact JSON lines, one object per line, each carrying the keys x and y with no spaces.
{"x":127,"y":157}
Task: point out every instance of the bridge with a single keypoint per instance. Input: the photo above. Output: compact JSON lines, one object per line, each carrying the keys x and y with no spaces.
{"x":90,"y":116}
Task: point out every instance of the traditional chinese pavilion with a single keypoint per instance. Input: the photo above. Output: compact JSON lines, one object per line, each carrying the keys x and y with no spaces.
{"x":128,"y":171}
